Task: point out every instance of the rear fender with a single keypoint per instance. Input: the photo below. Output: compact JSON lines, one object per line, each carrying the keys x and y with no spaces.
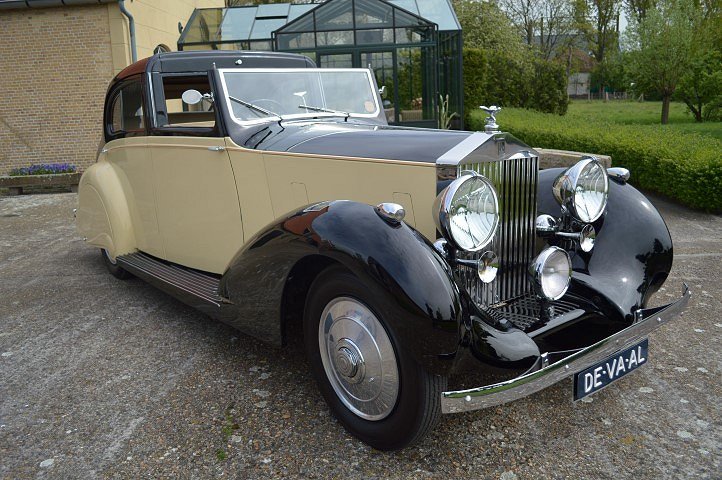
{"x":103,"y":218}
{"x":412,"y":286}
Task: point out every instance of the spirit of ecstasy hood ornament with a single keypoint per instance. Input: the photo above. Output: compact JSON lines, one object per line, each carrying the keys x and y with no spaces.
{"x":491,"y":126}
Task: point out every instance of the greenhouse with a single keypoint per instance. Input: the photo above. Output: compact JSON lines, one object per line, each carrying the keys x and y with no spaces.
{"x":412,"y":46}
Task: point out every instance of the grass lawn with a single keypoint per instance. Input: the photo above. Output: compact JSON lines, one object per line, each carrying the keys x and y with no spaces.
{"x":642,"y":113}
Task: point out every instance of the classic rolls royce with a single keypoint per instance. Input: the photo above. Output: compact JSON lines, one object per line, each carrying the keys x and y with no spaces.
{"x":425,"y":271}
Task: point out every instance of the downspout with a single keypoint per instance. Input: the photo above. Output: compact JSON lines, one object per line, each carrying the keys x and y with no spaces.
{"x":131,"y":27}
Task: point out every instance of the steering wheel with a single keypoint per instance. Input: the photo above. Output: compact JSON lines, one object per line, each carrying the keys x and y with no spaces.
{"x":259,"y":102}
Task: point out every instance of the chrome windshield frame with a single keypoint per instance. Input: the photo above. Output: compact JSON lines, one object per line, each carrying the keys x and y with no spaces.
{"x":301,"y":116}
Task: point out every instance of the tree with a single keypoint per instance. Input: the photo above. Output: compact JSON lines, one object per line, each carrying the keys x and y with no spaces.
{"x":525,"y":14}
{"x":700,"y":88}
{"x":604,"y":34}
{"x":556,"y":26}
{"x":547,"y":25}
{"x":664,"y":44}
{"x":637,"y":9}
{"x":486,"y":26}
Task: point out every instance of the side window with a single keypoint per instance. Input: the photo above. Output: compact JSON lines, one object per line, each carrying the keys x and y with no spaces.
{"x":126,"y":112}
{"x":193,"y":119}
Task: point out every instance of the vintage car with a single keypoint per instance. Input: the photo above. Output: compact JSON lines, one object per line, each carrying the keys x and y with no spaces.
{"x":428,"y":271}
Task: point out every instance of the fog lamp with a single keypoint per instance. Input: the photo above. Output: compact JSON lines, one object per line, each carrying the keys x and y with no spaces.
{"x":488,"y":266}
{"x":587,"y":237}
{"x":551,"y":273}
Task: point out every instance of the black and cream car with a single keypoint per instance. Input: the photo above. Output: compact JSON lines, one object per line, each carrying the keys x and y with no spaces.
{"x":430,"y":271}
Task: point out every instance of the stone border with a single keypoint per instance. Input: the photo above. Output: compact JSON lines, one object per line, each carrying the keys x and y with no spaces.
{"x":16,"y":184}
{"x":550,"y":158}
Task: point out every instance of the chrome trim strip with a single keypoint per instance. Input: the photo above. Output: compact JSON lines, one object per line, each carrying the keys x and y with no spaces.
{"x":503,"y":392}
{"x":464,"y":149}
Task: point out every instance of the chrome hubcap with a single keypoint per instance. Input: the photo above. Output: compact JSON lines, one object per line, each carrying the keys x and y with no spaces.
{"x":358,"y":358}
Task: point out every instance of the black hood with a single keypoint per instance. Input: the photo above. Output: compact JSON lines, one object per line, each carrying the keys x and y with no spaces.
{"x":349,"y":139}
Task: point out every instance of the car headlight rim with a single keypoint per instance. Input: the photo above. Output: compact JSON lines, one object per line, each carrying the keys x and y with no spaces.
{"x":580,"y":192}
{"x":447,"y":207}
{"x":541,"y":276}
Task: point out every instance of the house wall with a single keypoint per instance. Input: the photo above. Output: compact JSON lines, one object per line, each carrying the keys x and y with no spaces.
{"x":156,"y":23}
{"x":55,"y":67}
{"x":578,"y":86}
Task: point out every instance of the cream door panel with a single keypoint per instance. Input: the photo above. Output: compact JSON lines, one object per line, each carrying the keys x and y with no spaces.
{"x":197,"y":203}
{"x":130,"y":157}
{"x":362,"y":180}
{"x":253,"y":192}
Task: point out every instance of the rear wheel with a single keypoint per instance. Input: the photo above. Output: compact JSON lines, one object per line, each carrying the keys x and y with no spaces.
{"x":376,"y":390}
{"x":112,"y":265}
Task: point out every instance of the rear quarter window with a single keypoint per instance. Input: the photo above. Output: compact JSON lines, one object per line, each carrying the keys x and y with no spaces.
{"x":125,"y":116}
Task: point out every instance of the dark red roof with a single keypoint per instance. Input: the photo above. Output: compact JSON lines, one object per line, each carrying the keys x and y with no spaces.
{"x":133,"y":69}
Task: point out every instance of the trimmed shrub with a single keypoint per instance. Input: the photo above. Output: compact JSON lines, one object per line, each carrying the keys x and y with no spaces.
{"x":683,"y":166}
{"x":494,"y":77}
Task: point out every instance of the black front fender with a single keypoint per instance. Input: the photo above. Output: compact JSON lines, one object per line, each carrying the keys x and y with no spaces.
{"x":411,"y":284}
{"x":632,"y":256}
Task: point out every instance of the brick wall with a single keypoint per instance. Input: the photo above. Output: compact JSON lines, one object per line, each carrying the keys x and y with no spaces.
{"x":55,"y":66}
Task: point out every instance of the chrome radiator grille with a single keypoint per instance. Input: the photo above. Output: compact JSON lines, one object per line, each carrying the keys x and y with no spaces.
{"x":515,"y":180}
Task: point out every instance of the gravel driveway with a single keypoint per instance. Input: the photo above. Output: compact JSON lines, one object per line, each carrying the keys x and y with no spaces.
{"x":105,"y":378}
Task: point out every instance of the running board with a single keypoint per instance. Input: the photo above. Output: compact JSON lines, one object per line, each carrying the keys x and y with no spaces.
{"x":195,"y":288}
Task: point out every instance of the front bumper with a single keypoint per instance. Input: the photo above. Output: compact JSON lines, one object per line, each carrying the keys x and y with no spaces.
{"x":503,"y":392}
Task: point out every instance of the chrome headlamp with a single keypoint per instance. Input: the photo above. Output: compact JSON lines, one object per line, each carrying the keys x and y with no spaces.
{"x":551,"y":273}
{"x":583,"y":190}
{"x":467,"y":212}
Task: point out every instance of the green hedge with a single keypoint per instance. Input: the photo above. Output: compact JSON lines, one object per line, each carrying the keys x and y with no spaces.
{"x":683,"y":166}
{"x":493,"y":77}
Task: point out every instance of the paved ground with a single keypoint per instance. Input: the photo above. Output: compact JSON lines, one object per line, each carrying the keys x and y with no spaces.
{"x":100,"y":377}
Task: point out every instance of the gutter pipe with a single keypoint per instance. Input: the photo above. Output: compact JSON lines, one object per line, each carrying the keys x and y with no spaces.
{"x":131,"y":28}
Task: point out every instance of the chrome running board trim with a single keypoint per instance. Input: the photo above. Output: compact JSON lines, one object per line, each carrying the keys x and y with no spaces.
{"x":179,"y":281}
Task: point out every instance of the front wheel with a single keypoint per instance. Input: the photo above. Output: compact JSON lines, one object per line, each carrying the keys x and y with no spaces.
{"x":378,"y":392}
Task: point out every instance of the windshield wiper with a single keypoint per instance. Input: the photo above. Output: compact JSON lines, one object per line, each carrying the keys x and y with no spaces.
{"x":327,"y":110}
{"x":255,"y":107}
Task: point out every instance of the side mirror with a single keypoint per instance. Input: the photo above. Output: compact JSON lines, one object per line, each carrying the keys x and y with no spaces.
{"x":382,"y":91}
{"x":192,"y":97}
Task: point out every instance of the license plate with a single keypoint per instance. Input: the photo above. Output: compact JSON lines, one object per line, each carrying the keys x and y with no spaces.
{"x":615,"y":367}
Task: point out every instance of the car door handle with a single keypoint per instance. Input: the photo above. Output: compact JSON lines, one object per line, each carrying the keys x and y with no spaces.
{"x":217,"y":149}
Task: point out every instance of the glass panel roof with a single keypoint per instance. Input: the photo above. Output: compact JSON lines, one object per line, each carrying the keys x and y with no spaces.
{"x":298,"y":10}
{"x":438,"y":11}
{"x":264,"y":27}
{"x":237,"y":24}
{"x":273,"y":10}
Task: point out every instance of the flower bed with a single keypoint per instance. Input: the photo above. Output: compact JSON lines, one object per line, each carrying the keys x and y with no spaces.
{"x":16,"y":182}
{"x":43,"y":169}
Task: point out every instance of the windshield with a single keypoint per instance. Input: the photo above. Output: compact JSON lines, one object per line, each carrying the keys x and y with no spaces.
{"x":254,"y":95}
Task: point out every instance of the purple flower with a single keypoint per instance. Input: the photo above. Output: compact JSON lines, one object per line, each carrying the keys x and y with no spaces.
{"x":44,"y":169}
